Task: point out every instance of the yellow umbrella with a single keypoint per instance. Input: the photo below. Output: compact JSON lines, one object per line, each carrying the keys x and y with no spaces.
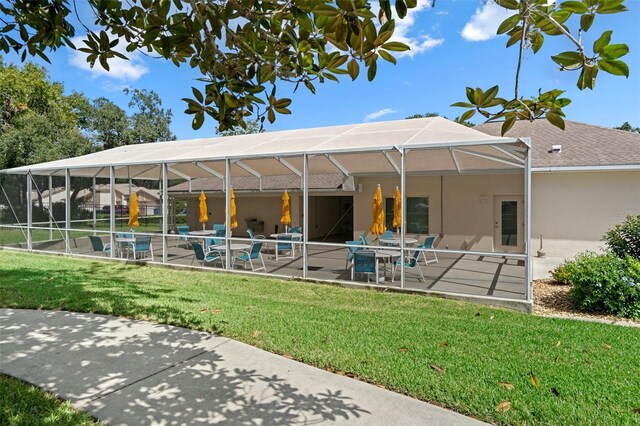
{"x":232,"y":202}
{"x":286,"y":210}
{"x":378,"y":227}
{"x":204,"y":216}
{"x":397,"y":208}
{"x":134,"y":211}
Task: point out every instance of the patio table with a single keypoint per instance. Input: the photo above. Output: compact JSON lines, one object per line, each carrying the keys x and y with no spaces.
{"x":295,"y":236}
{"x":232,"y":247}
{"x":396,"y":241}
{"x":123,"y":243}
{"x":385,"y":255}
{"x":203,"y":233}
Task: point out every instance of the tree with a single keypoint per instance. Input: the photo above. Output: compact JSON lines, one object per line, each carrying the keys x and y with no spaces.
{"x":252,"y":126}
{"x":245,"y":50}
{"x":628,"y":127}
{"x":149,"y":122}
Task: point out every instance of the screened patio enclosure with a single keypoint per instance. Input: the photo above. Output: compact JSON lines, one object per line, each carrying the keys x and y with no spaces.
{"x":468,"y":190}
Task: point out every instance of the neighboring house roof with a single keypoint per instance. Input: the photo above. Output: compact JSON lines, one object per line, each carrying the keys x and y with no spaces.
{"x":122,"y":188}
{"x":240,"y":183}
{"x":582,"y":144}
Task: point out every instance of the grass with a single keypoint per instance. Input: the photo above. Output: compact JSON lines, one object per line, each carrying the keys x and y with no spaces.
{"x":15,"y":236}
{"x":587,"y":372}
{"x":25,"y":404}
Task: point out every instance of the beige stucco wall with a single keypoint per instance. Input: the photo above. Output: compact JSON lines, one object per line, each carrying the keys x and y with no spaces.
{"x":573,"y":210}
{"x":468,"y":209}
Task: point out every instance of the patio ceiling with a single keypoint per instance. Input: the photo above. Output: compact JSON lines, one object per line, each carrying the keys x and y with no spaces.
{"x":432,"y":144}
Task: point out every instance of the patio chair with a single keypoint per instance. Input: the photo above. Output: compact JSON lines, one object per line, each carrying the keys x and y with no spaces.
{"x":256,"y":237}
{"x":251,"y":255}
{"x":411,"y":263}
{"x":218,"y":227}
{"x":363,"y":238}
{"x":208,"y":257}
{"x":284,"y":246}
{"x":97,"y":245}
{"x":142,"y":245}
{"x":209,"y":242}
{"x":364,"y":262}
{"x":386,"y":235}
{"x":428,"y":244}
{"x":352,"y":247}
{"x":183,"y":231}
{"x":124,"y":246}
{"x":295,"y":230}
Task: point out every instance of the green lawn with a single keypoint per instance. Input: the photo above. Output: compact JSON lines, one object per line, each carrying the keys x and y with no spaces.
{"x":585,"y":373}
{"x":14,"y":236}
{"x":24,"y":404}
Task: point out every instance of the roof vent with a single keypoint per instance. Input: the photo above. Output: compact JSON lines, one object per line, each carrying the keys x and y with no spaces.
{"x":555,"y":149}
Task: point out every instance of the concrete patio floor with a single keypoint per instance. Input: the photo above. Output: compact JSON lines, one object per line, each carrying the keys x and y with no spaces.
{"x":471,"y":275}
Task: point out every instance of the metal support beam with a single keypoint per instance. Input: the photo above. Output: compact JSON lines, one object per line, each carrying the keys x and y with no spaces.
{"x":403,"y":228}
{"x":305,"y":215}
{"x":289,"y":166}
{"x":489,"y":157}
{"x":391,"y":161}
{"x":95,"y":175}
{"x":455,"y":160}
{"x":338,"y":165}
{"x":67,"y":210}
{"x":177,"y":173}
{"x":93,"y":204}
{"x":227,"y":214}
{"x":527,"y":226}
{"x":165,"y":212}
{"x":509,"y":154}
{"x":50,"y":208}
{"x":209,"y":170}
{"x":112,"y":210}
{"x":247,"y":168}
{"x":143,"y":172}
{"x":29,"y":211}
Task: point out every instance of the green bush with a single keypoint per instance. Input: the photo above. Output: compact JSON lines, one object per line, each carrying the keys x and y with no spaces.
{"x":604,"y":283}
{"x":625,"y":238}
{"x":561,"y":274}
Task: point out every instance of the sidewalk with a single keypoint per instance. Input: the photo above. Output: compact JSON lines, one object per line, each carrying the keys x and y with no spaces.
{"x":133,"y":372}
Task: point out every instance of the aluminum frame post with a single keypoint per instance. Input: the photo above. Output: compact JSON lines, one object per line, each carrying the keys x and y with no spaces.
{"x":527,"y":225}
{"x":93,"y":197}
{"x":305,"y":215}
{"x":50,"y":208}
{"x":67,"y":210}
{"x":29,"y":212}
{"x":403,"y":228}
{"x":227,"y":214}
{"x":112,"y":209}
{"x":165,"y":211}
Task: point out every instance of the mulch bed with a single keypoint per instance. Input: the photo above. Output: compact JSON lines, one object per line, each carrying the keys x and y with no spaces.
{"x":552,"y":299}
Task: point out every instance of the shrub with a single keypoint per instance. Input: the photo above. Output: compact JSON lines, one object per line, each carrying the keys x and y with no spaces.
{"x":604,"y":283}
{"x":561,"y":274}
{"x":625,"y":238}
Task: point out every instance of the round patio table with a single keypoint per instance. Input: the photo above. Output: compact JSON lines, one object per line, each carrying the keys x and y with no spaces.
{"x":295,"y":236}
{"x":204,"y":232}
{"x":124,"y":243}
{"x":396,"y":241}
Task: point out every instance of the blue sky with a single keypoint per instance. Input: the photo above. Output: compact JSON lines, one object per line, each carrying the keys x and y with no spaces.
{"x":453,"y":46}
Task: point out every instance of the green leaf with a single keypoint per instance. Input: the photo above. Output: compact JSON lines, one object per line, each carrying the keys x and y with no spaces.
{"x":197,"y":94}
{"x":382,"y":38}
{"x":198,"y":120}
{"x":271,"y":115}
{"x":387,"y":56}
{"x":586,"y":21}
{"x":412,"y":3}
{"x":395,"y":46}
{"x":508,"y":24}
{"x":401,"y":8}
{"x":568,"y":60}
{"x":463,"y":105}
{"x":371,"y":72}
{"x":466,"y":115}
{"x":614,"y":51}
{"x":555,"y":119}
{"x":508,"y":4}
{"x":587,"y":79}
{"x":489,"y":95}
{"x":614,"y":67}
{"x":537,"y":40}
{"x":509,"y":121}
{"x":611,"y":6}
{"x":574,"y":7}
{"x":353,"y":69}
{"x":602,"y":41}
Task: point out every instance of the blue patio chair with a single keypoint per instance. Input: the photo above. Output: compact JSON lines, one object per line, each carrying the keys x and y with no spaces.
{"x":209,"y":242}
{"x":142,"y":245}
{"x":208,"y":257}
{"x":410,"y":263}
{"x":97,"y":245}
{"x":352,"y":247}
{"x":256,"y":237}
{"x":364,"y":262}
{"x":295,"y":230}
{"x":363,"y":238}
{"x":385,"y":236}
{"x":183,"y":231}
{"x":251,"y":255}
{"x":220,"y":232}
{"x":218,"y":227}
{"x":428,"y":244}
{"x":284,"y":246}
{"x":124,"y":246}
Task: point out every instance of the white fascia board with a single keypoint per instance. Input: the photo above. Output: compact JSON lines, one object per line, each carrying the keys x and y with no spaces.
{"x":568,"y":169}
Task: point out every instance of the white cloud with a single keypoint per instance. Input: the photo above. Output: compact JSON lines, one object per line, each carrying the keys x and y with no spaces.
{"x":417,"y":43}
{"x":119,"y":69}
{"x":378,"y":114}
{"x":485,"y":22}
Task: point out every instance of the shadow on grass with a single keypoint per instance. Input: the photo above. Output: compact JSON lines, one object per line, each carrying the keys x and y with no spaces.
{"x":99,"y":288}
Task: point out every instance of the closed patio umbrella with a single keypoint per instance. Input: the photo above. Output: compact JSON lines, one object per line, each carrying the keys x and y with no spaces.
{"x":204,"y":217}
{"x":378,"y":227}
{"x":134,"y":211}
{"x":286,"y":210}
{"x":397,"y":208}
{"x":232,"y":202}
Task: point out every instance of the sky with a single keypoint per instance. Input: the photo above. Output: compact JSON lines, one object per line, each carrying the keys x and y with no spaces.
{"x":453,"y":45}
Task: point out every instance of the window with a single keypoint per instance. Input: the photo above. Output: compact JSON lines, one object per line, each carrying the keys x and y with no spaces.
{"x":417,"y":214}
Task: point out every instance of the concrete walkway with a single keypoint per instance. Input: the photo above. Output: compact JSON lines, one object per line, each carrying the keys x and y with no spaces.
{"x":133,"y":372}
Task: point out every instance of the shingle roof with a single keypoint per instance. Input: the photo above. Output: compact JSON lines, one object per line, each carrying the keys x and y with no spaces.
{"x":582,"y":144}
{"x":239,"y":183}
